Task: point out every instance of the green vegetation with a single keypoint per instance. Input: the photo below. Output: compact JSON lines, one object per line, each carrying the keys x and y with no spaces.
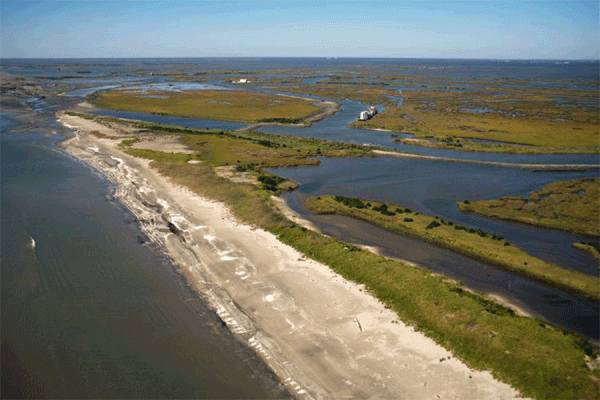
{"x":591,"y":247}
{"x":476,"y":243}
{"x":463,"y":144}
{"x":572,"y":206}
{"x":445,"y":118}
{"x":447,"y":111}
{"x":226,"y":105}
{"x":368,"y":94}
{"x":221,"y":147}
{"x":280,"y":120}
{"x":246,"y":149}
{"x":126,"y":142}
{"x":538,"y":359}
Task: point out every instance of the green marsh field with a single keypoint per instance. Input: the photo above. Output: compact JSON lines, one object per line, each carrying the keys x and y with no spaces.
{"x":538,"y":359}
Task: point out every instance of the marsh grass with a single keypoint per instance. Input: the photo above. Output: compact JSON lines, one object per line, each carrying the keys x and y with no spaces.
{"x":475,"y":243}
{"x":368,"y":94}
{"x":590,"y":247}
{"x":250,"y":148}
{"x":225,"y":105}
{"x":572,"y":206}
{"x":548,"y":133}
{"x":540,"y":361}
{"x":537,"y":359}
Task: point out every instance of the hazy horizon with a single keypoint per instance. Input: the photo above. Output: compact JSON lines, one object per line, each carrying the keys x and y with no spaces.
{"x":515,"y":30}
{"x":286,"y":57}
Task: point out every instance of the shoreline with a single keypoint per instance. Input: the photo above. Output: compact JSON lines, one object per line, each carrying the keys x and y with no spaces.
{"x":283,"y":207}
{"x":326,"y":108}
{"x":324,"y":337}
{"x":534,"y":167}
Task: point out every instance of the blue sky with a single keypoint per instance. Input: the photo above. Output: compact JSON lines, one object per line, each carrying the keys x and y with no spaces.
{"x":296,"y":28}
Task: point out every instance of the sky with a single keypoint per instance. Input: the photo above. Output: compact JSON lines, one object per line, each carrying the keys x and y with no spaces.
{"x":298,"y":28}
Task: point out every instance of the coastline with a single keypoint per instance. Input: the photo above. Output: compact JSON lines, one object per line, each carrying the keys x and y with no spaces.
{"x":297,"y":219}
{"x":326,"y":108}
{"x":534,"y":167}
{"x":323,"y":337}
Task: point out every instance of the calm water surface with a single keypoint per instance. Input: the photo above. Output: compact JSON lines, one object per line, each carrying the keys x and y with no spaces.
{"x":435,"y":187}
{"x":91,"y":311}
{"x":575,"y":313}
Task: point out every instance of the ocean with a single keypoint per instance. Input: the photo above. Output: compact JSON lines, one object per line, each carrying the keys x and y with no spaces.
{"x":89,"y":308}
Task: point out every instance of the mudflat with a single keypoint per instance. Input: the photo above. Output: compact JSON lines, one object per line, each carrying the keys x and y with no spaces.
{"x":323,"y":336}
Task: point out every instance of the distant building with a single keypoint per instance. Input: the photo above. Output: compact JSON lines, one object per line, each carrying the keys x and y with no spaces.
{"x":241,"y":80}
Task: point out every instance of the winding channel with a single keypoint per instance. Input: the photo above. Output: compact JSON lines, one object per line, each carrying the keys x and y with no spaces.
{"x":433,"y":186}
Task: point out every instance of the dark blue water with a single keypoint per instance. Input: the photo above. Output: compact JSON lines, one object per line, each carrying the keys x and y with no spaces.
{"x":431,"y":187}
{"x":539,"y":70}
{"x":434,"y":188}
{"x":90,"y":311}
{"x":574,"y":313}
{"x":335,"y":128}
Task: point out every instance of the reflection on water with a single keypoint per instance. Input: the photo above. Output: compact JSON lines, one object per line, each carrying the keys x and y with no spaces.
{"x":574,"y":313}
{"x":434,"y":188}
{"x":88,"y":309}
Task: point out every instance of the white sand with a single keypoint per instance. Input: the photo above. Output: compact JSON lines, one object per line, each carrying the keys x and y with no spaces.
{"x":323,"y":336}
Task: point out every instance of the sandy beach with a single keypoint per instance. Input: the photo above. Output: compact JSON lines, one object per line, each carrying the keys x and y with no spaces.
{"x":324,"y":337}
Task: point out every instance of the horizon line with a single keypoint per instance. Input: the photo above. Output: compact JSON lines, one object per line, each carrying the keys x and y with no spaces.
{"x":313,"y":57}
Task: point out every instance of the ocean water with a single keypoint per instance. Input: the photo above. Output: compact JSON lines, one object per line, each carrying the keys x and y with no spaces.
{"x":541,"y":70}
{"x":89,"y":308}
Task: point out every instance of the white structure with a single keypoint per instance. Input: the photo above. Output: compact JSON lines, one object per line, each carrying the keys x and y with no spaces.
{"x":241,"y":80}
{"x":365,"y":115}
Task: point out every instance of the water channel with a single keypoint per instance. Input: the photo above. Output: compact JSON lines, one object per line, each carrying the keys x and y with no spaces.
{"x":433,"y":188}
{"x":89,"y":309}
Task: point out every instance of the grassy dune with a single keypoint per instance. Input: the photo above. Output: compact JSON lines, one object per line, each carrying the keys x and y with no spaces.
{"x":226,"y":105}
{"x":539,"y":360}
{"x":257,"y":149}
{"x":478,"y":244}
{"x":572,"y":206}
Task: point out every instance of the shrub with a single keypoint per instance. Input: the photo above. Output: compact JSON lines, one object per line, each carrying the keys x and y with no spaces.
{"x":433,"y":224}
{"x":350,"y":202}
{"x":383,"y":208}
{"x":270,"y":182}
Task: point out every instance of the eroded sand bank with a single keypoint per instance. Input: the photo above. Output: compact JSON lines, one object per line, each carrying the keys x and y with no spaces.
{"x":323,"y":336}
